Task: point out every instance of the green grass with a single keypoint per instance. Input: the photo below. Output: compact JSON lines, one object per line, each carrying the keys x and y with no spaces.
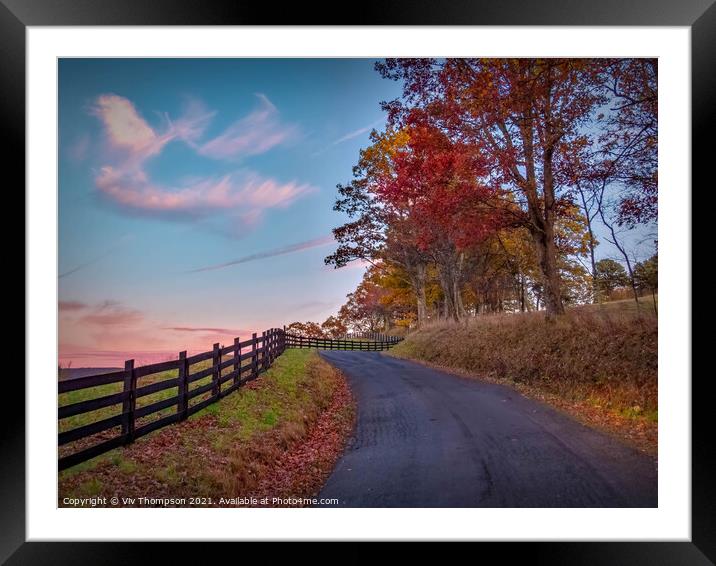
{"x":102,"y":390}
{"x":224,"y":446}
{"x":106,"y":412}
{"x":257,"y":410}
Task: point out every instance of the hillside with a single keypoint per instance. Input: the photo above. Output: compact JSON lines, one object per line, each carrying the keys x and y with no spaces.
{"x":598,"y":363}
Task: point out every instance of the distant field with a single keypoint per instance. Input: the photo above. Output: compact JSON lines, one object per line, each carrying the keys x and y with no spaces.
{"x":646,"y":305}
{"x":73,"y":373}
{"x":75,"y":421}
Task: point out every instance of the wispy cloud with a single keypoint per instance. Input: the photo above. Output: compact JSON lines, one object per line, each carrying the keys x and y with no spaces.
{"x":241,"y":195}
{"x":207,"y":330}
{"x":71,"y":306}
{"x":353,"y":264}
{"x":254,"y":134}
{"x":292,"y":248}
{"x":348,"y":136}
{"x":127,"y":131}
{"x":356,"y":133}
{"x":110,"y":313}
{"x":95,"y":259}
{"x":77,"y":150}
{"x":246,"y":191}
{"x":82,"y":265}
{"x":109,"y":329}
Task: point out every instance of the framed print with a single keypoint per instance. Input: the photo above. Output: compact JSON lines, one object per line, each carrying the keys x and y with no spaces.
{"x":391,"y":279}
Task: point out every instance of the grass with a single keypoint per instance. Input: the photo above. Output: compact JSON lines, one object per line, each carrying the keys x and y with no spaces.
{"x":623,"y":306}
{"x":106,"y":412}
{"x":229,"y":447}
{"x":597,"y":363}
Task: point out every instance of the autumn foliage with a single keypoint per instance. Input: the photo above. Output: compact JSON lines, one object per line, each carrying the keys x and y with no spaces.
{"x":483,"y":191}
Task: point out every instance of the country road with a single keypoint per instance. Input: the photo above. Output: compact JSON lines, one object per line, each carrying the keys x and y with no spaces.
{"x":426,"y":438}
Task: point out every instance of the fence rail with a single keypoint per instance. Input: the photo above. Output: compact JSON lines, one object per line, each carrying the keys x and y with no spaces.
{"x":387,"y":342}
{"x":373,"y":336}
{"x":231,"y":365}
{"x":104,"y":411}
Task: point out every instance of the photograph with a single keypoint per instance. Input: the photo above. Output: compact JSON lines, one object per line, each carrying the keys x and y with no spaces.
{"x":358,"y":282}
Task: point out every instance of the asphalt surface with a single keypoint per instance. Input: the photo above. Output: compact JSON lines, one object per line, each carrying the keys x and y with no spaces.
{"x":426,"y":438}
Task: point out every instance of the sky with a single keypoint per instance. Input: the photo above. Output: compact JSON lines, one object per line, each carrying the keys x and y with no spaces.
{"x":195,"y":198}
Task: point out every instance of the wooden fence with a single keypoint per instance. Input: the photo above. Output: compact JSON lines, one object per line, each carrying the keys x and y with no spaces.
{"x":374,"y":336}
{"x":113,"y":409}
{"x":195,"y":388}
{"x":341,"y":344}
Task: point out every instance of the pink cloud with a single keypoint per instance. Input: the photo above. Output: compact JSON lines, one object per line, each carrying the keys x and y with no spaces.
{"x":190,"y":126}
{"x":124,"y":127}
{"x":208,"y":330}
{"x":254,"y":134}
{"x":126,"y":130}
{"x":353,"y":264}
{"x":242,"y":196}
{"x":110,"y":313}
{"x":71,"y":306}
{"x":144,"y":341}
{"x":133,"y":190}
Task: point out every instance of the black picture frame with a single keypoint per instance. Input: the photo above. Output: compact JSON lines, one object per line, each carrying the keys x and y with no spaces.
{"x":699,"y":15}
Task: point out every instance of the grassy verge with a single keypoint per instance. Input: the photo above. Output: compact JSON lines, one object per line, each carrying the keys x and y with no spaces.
{"x":112,"y":410}
{"x":278,"y":436}
{"x":600,"y":366}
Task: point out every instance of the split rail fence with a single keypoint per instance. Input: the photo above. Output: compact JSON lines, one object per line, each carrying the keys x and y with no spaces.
{"x":341,"y":344}
{"x":196,"y":387}
{"x":135,"y":401}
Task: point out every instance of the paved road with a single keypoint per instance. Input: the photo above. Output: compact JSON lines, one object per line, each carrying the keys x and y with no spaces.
{"x":426,"y":438}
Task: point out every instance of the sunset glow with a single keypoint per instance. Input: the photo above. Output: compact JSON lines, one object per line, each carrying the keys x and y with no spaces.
{"x":195,"y":199}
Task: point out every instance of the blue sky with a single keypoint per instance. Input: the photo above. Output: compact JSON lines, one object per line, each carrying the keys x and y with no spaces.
{"x":174,"y":172}
{"x":253,"y":149}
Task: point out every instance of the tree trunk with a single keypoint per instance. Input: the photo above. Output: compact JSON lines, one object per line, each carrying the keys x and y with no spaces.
{"x":456,"y":286}
{"x":547,"y":257}
{"x":450,"y":288}
{"x":422,"y":306}
{"x":542,"y":214}
{"x":418,"y":279}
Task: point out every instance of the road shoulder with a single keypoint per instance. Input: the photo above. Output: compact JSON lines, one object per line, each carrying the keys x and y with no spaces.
{"x":638,"y":434}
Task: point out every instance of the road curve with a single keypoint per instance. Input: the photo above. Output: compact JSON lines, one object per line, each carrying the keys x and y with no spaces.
{"x":426,"y":438}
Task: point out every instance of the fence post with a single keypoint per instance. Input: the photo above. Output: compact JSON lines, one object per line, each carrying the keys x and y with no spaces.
{"x":237,"y":359}
{"x":254,"y":357}
{"x":183,"y":401}
{"x":129,"y":404}
{"x":263,"y":351}
{"x":216,"y":360}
